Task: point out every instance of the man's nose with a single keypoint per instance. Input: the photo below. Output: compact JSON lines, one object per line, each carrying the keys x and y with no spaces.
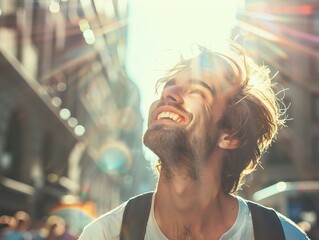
{"x":172,"y":94}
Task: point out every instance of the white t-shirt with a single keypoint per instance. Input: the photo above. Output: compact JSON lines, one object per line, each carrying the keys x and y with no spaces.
{"x":108,"y":226}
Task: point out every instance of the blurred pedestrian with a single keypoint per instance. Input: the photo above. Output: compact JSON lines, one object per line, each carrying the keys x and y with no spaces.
{"x":7,"y":223}
{"x":57,"y":229}
{"x":21,"y":229}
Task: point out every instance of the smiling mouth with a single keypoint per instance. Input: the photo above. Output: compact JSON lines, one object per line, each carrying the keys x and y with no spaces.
{"x":170,"y":116}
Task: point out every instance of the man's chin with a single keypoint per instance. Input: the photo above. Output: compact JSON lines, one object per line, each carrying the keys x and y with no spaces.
{"x":158,"y":133}
{"x":166,"y":141}
{"x":152,"y":137}
{"x":164,"y":127}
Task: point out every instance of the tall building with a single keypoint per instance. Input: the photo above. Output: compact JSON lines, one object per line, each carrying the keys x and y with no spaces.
{"x":70,"y":126}
{"x":283,"y":35}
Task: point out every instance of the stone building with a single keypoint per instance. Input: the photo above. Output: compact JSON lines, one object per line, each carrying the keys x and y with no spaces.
{"x":70,"y":125}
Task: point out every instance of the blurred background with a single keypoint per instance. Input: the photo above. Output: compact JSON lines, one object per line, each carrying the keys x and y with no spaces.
{"x":76,"y":80}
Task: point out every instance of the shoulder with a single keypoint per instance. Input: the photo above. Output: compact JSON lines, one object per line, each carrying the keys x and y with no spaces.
{"x":107,"y":226}
{"x":291,"y":230}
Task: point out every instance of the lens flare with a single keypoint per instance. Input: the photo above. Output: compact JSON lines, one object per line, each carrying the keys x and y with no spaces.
{"x":115,"y":158}
{"x":76,"y":216}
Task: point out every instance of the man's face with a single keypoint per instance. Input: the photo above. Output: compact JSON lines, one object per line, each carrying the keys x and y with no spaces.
{"x":182,"y":123}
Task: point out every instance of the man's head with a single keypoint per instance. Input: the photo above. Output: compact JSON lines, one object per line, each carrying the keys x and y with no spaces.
{"x":209,"y":97}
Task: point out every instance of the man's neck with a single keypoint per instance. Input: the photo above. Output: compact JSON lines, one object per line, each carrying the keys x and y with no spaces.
{"x":197,"y":208}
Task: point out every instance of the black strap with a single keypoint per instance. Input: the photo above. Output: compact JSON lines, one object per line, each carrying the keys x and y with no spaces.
{"x":266,"y":223}
{"x":135,"y":217}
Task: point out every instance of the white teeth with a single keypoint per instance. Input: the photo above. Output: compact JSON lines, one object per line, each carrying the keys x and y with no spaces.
{"x":170,"y":115}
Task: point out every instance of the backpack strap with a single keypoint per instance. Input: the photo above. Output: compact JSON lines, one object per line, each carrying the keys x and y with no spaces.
{"x":266,"y":222}
{"x":135,"y":217}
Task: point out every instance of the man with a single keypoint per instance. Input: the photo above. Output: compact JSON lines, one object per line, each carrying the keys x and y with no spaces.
{"x":216,"y":115}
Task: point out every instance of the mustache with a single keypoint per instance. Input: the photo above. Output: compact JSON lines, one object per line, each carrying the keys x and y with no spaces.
{"x":175,"y":105}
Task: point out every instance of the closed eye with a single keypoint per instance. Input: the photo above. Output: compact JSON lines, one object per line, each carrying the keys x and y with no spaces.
{"x":199,"y":92}
{"x":203,"y":85}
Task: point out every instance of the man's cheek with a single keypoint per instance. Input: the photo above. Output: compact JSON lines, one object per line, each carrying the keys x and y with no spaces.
{"x":151,"y":112}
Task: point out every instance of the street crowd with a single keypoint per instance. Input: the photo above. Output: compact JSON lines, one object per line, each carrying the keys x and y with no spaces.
{"x":21,"y":226}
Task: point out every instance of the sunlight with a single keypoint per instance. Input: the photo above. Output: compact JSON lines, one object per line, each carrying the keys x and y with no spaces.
{"x":161,"y":31}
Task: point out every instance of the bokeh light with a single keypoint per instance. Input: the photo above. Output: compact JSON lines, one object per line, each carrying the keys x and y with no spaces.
{"x":56,"y":101}
{"x":79,"y":130}
{"x":72,"y":122}
{"x":65,"y":113}
{"x":115,"y":158}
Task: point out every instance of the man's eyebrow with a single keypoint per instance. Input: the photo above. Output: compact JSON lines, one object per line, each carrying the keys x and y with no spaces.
{"x":211,"y":89}
{"x":205,"y":85}
{"x":170,"y":82}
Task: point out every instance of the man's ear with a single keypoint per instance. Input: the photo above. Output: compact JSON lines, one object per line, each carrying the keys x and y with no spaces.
{"x":227,"y":142}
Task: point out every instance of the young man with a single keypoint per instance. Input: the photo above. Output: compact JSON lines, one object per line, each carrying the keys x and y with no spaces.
{"x":216,"y":115}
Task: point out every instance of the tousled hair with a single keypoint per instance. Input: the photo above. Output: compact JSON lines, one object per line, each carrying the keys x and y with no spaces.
{"x":252,"y":117}
{"x":252,"y":114}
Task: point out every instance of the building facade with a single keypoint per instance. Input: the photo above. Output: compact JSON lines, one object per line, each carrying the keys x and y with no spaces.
{"x":283,"y":35}
{"x":70,"y":121}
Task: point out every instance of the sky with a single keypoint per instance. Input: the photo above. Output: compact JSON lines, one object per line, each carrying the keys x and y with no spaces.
{"x":161,"y":30}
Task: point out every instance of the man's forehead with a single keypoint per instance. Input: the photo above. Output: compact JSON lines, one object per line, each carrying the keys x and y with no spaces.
{"x":217,"y":70}
{"x":216,"y":79}
{"x":213,"y":67}
{"x":214,"y":63}
{"x":195,"y":74}
{"x":190,"y":80}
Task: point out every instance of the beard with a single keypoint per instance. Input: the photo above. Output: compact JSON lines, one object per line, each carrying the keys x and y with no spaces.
{"x":177,"y":150}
